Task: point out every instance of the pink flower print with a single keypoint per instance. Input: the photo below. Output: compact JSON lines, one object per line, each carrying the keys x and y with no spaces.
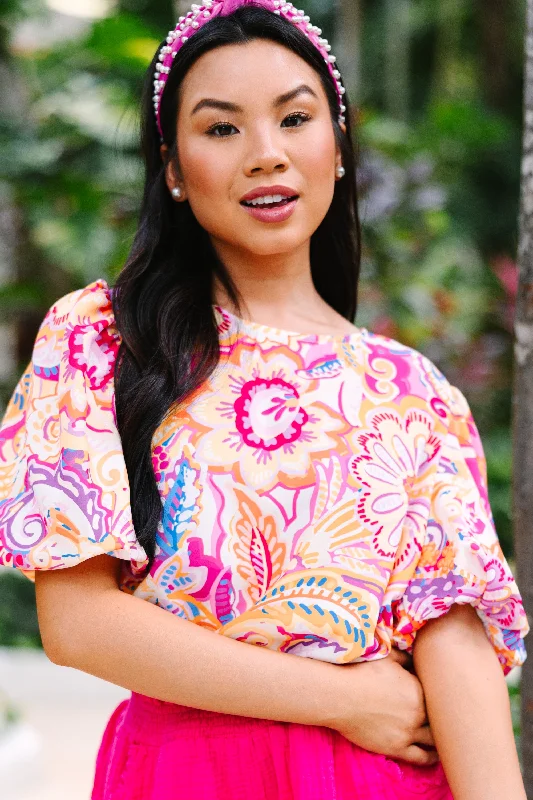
{"x":474,"y":520}
{"x":46,"y":357}
{"x":269,"y":414}
{"x":172,"y":584}
{"x":255,"y":542}
{"x":259,"y":424}
{"x":223,"y":321}
{"x":396,"y":453}
{"x":160,"y":462}
{"x":93,"y":350}
{"x":444,"y":394}
{"x":321,"y":362}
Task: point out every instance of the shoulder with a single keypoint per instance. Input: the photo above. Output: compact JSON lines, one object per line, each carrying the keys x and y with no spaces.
{"x":78,"y":332}
{"x":414,"y":375}
{"x":89,"y":305}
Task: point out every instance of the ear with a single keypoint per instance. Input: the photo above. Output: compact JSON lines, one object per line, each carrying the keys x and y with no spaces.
{"x":172,"y":178}
{"x":338,"y":154}
{"x":338,"y":159}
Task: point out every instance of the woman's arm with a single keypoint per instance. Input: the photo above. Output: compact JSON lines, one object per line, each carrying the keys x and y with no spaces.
{"x":86,"y":622}
{"x":468,"y":707}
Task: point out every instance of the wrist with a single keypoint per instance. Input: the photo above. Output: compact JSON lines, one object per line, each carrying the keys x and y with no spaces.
{"x":329,"y":694}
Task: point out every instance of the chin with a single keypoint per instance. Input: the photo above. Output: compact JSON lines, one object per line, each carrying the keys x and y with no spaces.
{"x":274,"y":248}
{"x":274,"y":242}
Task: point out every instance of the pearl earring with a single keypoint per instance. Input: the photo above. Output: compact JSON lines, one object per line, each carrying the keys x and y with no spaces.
{"x":340,"y":172}
{"x":176,"y":193}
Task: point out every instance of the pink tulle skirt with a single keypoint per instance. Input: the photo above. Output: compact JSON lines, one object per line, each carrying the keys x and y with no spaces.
{"x":153,"y":750}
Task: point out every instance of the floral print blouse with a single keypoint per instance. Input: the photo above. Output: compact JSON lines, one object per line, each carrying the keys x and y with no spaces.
{"x":321,"y":495}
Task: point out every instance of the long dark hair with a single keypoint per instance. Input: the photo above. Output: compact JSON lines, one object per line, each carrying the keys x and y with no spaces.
{"x":162,"y":298}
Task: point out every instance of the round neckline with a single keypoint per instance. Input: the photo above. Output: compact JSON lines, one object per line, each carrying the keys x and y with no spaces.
{"x":248,"y":325}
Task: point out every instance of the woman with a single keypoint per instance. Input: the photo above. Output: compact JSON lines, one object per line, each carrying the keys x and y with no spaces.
{"x":214,"y":436}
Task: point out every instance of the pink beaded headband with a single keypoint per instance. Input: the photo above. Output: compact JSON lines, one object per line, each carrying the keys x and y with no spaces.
{"x":200,"y":14}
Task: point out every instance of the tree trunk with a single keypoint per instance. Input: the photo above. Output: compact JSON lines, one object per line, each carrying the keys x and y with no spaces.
{"x":523,"y":406}
{"x":348,"y":46}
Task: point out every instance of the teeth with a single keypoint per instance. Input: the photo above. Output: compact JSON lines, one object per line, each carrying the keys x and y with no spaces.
{"x":267,"y":199}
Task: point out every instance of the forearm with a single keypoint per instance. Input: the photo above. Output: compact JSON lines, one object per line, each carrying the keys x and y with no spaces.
{"x":137,"y":645}
{"x":468,"y":707}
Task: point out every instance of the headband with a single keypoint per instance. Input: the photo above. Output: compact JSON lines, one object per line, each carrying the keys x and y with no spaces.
{"x":201,"y":14}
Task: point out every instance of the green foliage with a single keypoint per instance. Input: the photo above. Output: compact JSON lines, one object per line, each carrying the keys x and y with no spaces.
{"x":18,"y":616}
{"x":498,"y":451}
{"x":439,"y":192}
{"x":123,"y":44}
{"x":514,"y":698}
{"x":72,"y":164}
{"x":10,"y":14}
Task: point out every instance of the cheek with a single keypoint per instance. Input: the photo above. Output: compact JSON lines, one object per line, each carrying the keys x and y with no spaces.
{"x":317,"y":164}
{"x":208,"y":178}
{"x":318,"y":155}
{"x":203,"y":171}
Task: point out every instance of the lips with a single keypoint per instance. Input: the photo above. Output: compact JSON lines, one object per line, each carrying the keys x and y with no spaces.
{"x":269,"y":197}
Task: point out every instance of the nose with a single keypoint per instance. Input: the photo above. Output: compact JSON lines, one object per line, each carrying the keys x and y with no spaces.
{"x":266,"y":153}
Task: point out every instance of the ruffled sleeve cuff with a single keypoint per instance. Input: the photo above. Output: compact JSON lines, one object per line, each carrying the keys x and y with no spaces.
{"x":64,"y":492}
{"x":461,"y":560}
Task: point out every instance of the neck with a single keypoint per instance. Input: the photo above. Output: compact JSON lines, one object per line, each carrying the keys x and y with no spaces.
{"x":270,"y":287}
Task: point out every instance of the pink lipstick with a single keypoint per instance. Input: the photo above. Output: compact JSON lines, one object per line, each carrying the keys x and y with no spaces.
{"x":270,"y":203}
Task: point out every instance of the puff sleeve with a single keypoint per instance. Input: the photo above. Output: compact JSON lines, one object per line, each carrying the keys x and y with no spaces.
{"x":461,"y":560}
{"x":64,"y":492}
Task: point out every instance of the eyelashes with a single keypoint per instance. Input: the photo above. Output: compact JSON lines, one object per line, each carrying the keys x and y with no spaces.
{"x":298,"y":115}
{"x":223,"y":130}
{"x":214,"y":130}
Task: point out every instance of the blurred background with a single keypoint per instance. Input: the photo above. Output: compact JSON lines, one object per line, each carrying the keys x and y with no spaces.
{"x":437,"y":90}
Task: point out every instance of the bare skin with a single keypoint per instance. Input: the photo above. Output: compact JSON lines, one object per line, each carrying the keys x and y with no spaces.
{"x":264,"y":144}
{"x":88,"y":623}
{"x":468,"y":707}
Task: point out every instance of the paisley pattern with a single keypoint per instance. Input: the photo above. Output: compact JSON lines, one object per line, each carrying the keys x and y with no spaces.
{"x":321,"y":495}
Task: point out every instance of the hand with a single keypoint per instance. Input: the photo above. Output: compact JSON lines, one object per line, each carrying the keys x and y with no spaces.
{"x":387,"y":713}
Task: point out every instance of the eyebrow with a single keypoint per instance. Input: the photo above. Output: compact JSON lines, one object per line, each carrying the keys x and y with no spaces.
{"x":283,"y":99}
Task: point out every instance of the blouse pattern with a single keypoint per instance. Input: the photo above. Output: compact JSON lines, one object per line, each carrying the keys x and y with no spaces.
{"x":321,"y":495}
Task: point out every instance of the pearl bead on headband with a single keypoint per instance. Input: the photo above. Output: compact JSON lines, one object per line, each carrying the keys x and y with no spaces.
{"x":200,"y":14}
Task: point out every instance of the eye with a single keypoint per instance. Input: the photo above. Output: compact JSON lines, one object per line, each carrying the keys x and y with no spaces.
{"x":221,"y":130}
{"x":296,"y":119}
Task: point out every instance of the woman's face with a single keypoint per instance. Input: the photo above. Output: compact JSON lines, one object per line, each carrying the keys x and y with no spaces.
{"x":255,"y":117}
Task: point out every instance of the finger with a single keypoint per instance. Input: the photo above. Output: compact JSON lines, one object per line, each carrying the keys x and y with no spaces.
{"x":401,"y":657}
{"x":423,"y":758}
{"x":424,"y":736}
